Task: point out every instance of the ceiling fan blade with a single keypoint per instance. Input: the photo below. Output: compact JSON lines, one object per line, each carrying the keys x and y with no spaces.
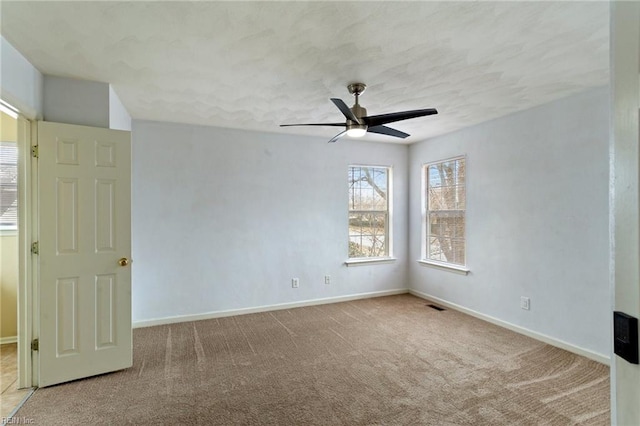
{"x":377,"y":120}
{"x":384,"y":130}
{"x":314,"y":124}
{"x":338,"y":136}
{"x":345,"y":110}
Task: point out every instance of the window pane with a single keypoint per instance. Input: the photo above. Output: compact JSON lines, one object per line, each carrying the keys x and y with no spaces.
{"x":8,"y":185}
{"x":435,"y":252}
{"x":461,"y":171}
{"x":435,"y":199}
{"x":461,"y":197}
{"x":457,"y":248}
{"x":435,"y":226}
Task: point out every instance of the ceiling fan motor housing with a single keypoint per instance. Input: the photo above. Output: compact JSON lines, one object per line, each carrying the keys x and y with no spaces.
{"x":359,"y":111}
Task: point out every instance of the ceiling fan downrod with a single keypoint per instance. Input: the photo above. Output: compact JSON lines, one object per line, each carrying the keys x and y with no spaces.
{"x":356,"y":89}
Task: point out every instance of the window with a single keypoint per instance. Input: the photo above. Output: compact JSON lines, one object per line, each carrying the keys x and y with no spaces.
{"x":8,"y":186}
{"x":445,"y":207}
{"x":369,"y":212}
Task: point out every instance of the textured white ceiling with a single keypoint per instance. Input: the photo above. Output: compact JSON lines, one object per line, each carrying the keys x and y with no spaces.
{"x":255,"y":65}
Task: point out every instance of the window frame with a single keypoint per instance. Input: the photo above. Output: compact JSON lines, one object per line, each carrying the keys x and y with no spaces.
{"x":388,"y":256}
{"x":424,"y":256}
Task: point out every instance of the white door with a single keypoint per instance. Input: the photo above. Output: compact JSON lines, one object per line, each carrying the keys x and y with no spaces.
{"x":84,"y":249}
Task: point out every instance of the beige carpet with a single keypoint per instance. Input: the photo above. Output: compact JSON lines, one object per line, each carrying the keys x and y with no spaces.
{"x":390,"y":360}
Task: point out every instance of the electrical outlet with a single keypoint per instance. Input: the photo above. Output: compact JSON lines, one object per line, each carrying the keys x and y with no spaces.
{"x":524,"y":303}
{"x":327,"y":279}
{"x":295,"y":282}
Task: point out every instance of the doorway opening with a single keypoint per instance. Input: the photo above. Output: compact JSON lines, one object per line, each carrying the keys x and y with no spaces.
{"x":12,"y":141}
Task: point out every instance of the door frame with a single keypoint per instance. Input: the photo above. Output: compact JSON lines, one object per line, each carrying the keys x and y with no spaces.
{"x":27,"y":171}
{"x":624,"y":197}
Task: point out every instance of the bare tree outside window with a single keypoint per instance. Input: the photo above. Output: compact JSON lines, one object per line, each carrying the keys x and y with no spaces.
{"x":368,"y":211}
{"x":445,"y":197}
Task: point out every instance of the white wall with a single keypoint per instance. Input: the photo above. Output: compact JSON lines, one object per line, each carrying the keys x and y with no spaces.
{"x":223,"y":219}
{"x":119,"y":117}
{"x":82,"y":102}
{"x":20,"y":82}
{"x":537,"y":225}
{"x":72,"y":101}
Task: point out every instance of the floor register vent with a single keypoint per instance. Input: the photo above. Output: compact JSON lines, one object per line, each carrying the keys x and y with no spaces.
{"x":436,"y":307}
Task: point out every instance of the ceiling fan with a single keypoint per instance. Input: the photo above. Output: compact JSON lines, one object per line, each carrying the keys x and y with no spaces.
{"x":359,"y":123}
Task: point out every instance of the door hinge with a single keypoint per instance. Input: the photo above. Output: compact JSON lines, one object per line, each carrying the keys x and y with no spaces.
{"x":34,"y":151}
{"x":35,"y":344}
{"x":35,"y":249}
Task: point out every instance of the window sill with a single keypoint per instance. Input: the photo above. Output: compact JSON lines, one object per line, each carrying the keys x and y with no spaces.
{"x":369,"y":261}
{"x":445,"y":266}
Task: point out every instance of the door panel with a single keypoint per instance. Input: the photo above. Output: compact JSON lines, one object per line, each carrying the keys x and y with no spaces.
{"x":67,"y":215}
{"x":84,"y":217}
{"x":67,"y":316}
{"x":105,"y":215}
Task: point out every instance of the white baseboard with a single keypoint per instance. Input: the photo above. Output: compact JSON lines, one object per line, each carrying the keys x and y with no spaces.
{"x":264,"y":308}
{"x":10,"y":339}
{"x":538,"y":336}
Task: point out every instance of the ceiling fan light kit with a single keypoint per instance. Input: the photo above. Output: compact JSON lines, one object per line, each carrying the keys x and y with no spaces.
{"x":357,"y":131}
{"x":358,"y":123}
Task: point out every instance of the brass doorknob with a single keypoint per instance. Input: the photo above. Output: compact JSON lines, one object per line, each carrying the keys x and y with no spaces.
{"x":123,"y":262}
